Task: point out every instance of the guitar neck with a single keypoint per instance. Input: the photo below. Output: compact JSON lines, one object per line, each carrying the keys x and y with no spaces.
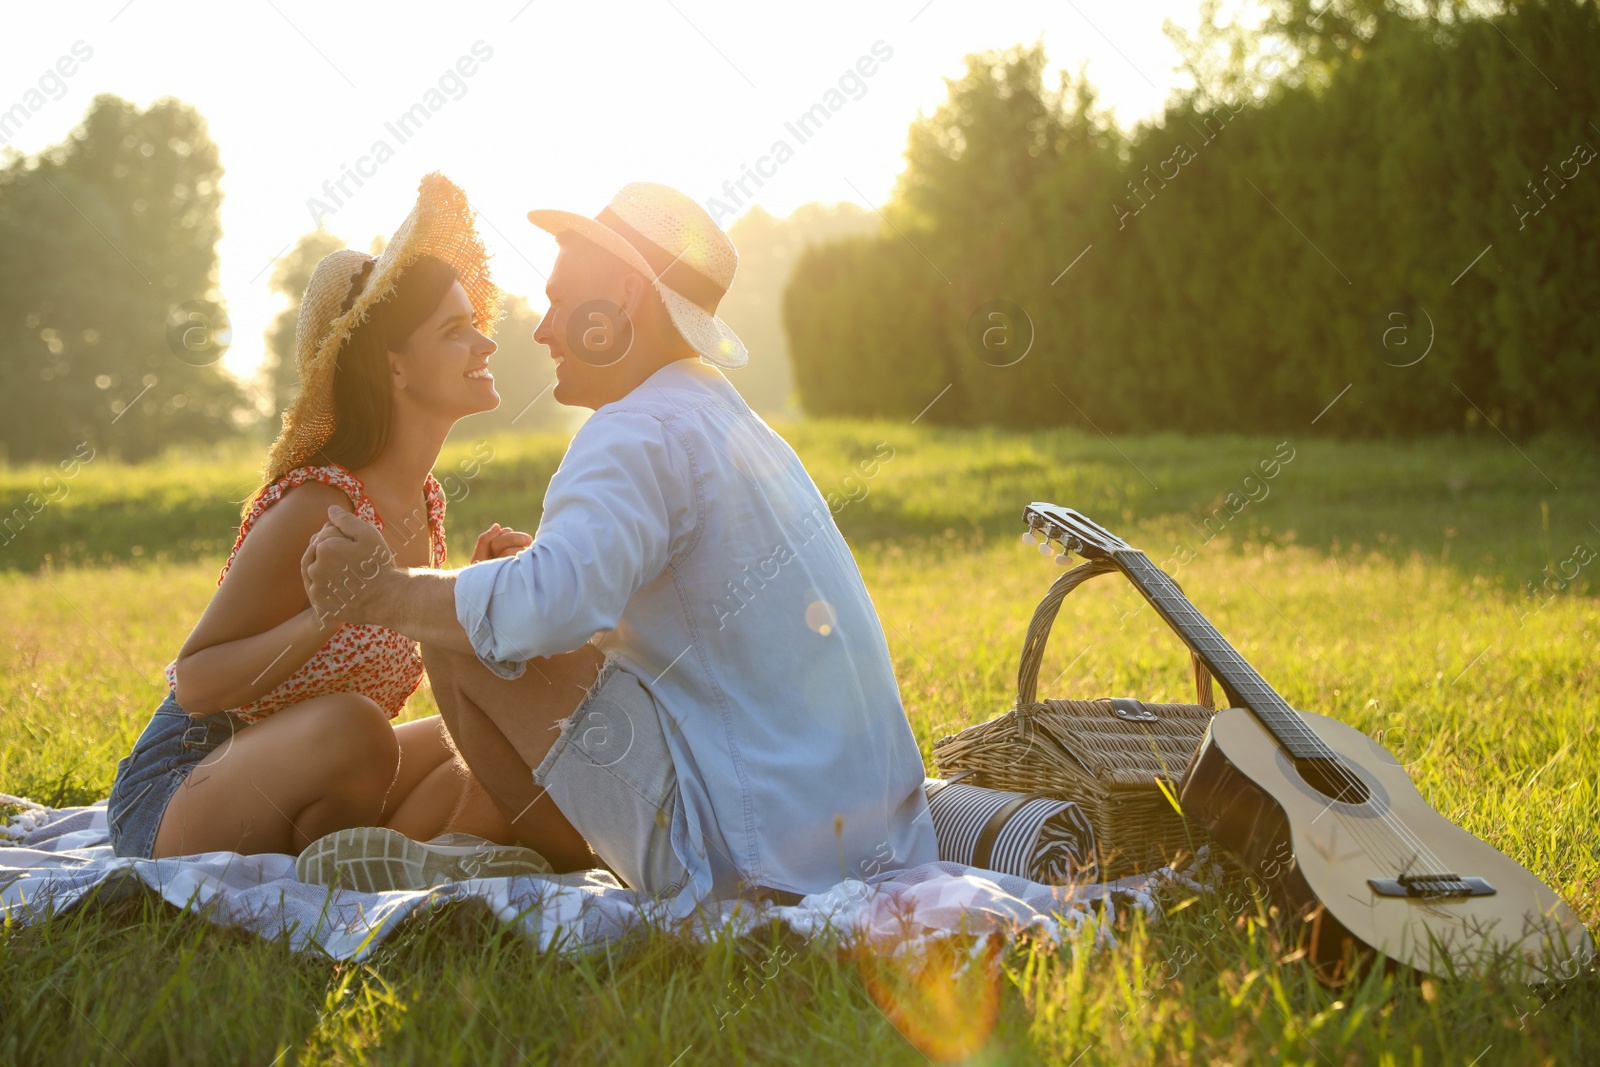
{"x":1240,"y":679}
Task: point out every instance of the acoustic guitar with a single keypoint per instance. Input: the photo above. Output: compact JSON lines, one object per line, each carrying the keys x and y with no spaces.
{"x":1332,"y":822}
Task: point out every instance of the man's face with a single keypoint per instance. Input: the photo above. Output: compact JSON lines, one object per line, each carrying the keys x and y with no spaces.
{"x":587,"y":329}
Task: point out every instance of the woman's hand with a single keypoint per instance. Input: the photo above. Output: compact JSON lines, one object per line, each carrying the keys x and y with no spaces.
{"x":498,"y":542}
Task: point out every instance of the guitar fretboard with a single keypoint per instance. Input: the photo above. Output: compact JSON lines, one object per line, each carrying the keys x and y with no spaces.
{"x":1240,"y":679}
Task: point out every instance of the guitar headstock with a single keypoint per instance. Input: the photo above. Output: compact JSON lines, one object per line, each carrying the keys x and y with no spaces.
{"x":1077,"y":534}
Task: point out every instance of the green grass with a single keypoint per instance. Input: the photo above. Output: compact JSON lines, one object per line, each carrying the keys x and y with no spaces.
{"x":1384,"y":584}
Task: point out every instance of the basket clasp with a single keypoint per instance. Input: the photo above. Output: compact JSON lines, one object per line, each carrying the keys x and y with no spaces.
{"x":1129,"y":710}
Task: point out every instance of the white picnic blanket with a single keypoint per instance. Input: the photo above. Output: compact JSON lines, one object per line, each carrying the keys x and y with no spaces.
{"x":51,"y":859}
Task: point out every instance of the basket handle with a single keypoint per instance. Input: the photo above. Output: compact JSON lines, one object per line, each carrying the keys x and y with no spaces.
{"x":1044,"y":617}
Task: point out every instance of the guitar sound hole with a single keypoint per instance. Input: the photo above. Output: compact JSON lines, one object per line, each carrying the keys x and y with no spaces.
{"x":1333,"y":780}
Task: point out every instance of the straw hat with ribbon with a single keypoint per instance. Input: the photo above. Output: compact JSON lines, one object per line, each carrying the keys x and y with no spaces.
{"x":664,"y":235}
{"x":346,"y":286}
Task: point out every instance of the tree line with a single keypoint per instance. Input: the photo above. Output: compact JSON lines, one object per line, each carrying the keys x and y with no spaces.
{"x":1365,"y":219}
{"x":113,"y":326}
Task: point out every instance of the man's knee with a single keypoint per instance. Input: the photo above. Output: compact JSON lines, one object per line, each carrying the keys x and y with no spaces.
{"x":448,"y":673}
{"x":442,"y":661}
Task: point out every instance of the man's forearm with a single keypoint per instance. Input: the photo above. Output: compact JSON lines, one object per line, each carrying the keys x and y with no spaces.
{"x":421,"y":604}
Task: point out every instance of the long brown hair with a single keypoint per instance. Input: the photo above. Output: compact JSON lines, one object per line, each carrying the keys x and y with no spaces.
{"x":362,"y":403}
{"x":361,"y":392}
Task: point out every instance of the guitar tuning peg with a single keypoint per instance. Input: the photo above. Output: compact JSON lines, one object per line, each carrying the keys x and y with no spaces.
{"x":1045,"y":548}
{"x":1029,"y":539}
{"x":1063,"y":559}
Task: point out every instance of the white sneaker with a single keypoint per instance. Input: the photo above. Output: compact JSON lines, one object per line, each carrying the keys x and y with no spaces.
{"x":375,"y":859}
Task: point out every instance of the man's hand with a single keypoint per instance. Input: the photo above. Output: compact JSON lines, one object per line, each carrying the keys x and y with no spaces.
{"x":500,"y":541}
{"x":344,"y":566}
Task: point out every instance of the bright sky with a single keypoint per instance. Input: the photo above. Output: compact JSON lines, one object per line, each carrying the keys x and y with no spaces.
{"x":565,"y":102}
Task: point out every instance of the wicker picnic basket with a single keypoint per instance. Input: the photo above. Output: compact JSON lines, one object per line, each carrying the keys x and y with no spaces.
{"x":1113,"y":756}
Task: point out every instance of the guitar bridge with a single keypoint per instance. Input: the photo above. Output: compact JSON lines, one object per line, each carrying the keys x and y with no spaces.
{"x":1430,"y":886}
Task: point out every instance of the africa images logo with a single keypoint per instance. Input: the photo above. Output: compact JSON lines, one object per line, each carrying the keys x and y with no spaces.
{"x":805,"y":126}
{"x":50,"y":85}
{"x":402,"y":128}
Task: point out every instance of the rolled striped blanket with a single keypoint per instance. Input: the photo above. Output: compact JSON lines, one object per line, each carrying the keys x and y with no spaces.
{"x":1038,"y":838}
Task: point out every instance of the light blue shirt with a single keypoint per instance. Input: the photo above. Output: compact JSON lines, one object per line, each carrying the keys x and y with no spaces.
{"x":685,"y":538}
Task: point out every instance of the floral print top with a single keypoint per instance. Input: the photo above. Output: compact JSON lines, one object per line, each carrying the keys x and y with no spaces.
{"x":374,"y":661}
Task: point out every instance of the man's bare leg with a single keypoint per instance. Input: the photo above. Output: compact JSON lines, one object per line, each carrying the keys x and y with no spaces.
{"x":503,"y":729}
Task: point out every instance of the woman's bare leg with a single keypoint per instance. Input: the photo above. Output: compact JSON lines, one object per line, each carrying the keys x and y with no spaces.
{"x":318,"y":766}
{"x":503,"y":730}
{"x":435,"y":792}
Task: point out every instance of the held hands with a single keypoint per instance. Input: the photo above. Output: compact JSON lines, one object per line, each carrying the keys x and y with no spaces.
{"x":348,"y":563}
{"x":498,"y":542}
{"x":343,"y":567}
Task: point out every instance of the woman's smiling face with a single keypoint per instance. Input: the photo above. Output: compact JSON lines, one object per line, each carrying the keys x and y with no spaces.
{"x":443,"y":368}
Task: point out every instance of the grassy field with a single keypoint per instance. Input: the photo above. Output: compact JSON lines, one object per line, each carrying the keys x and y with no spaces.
{"x":1399,"y":587}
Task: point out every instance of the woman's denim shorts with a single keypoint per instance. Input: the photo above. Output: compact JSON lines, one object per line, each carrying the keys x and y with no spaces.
{"x":149,"y":776}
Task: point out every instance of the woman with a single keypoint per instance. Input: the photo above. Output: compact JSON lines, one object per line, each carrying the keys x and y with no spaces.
{"x":276,"y":729}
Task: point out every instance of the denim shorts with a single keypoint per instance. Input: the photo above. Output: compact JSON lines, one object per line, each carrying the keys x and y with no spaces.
{"x":611,"y":775}
{"x":148,"y":777}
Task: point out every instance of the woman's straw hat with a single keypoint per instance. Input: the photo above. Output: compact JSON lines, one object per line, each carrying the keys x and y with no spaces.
{"x":347,"y":284}
{"x":673,"y":241}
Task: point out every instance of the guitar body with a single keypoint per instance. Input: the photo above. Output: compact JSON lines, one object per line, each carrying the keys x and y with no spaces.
{"x":1317,"y":854}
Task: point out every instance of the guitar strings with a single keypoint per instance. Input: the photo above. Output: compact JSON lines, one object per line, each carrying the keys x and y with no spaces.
{"x":1366,"y":834}
{"x":1295,"y":725}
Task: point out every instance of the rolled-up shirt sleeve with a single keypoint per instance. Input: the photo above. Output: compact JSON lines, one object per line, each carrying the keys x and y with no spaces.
{"x":614,"y":512}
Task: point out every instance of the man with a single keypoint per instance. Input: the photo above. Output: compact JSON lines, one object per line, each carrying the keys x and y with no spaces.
{"x":684,"y":670}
